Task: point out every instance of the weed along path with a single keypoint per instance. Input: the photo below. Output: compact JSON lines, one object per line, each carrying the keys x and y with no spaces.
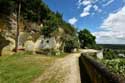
{"x":64,"y":70}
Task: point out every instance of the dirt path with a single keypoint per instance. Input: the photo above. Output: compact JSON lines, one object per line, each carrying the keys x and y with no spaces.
{"x":64,"y":70}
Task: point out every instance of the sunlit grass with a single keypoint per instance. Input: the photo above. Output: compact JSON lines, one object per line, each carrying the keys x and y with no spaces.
{"x":23,"y":67}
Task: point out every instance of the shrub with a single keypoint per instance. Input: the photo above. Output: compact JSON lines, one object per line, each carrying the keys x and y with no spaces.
{"x":116,"y":66}
{"x":109,"y":54}
{"x":86,"y":39}
{"x":71,"y":44}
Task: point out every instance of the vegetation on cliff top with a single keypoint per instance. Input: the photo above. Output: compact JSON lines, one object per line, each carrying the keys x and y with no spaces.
{"x":38,"y":12}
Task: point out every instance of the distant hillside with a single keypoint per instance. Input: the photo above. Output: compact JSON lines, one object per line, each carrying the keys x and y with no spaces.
{"x":113,"y":46}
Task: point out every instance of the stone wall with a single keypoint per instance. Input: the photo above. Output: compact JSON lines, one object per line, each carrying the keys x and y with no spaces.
{"x":94,"y":72}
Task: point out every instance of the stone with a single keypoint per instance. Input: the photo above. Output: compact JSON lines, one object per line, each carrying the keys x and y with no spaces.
{"x":44,"y":43}
{"x":100,"y":54}
{"x":29,"y":45}
{"x":3,"y":43}
{"x":23,"y":36}
{"x":37,"y":45}
{"x":11,"y":44}
{"x":74,"y":50}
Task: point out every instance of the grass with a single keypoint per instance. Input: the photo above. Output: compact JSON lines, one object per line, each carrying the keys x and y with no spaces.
{"x":23,"y":67}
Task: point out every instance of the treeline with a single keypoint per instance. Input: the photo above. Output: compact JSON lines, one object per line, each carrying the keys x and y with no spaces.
{"x":112,"y":46}
{"x":113,"y":54}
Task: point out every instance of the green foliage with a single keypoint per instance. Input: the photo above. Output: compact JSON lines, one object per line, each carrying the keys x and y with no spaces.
{"x":70,"y":44}
{"x":37,"y":11}
{"x":47,"y":31}
{"x":98,"y":47}
{"x":110,"y":54}
{"x":34,"y":10}
{"x":52,"y":24}
{"x":86,"y":39}
{"x":116,"y":66}
{"x":115,"y":63}
{"x":69,"y":29}
{"x":7,"y":6}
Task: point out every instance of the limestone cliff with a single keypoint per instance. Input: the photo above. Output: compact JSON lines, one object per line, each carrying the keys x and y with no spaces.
{"x":30,"y":38}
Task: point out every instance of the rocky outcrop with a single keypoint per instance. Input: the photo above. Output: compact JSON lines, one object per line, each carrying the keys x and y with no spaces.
{"x":10,"y":46}
{"x":3,"y":42}
{"x":30,"y":38}
{"x":29,"y":45}
{"x":49,"y":43}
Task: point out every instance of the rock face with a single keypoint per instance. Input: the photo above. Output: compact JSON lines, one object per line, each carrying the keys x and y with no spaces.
{"x":22,"y":39}
{"x":100,"y":54}
{"x":11,"y":44}
{"x":8,"y":26}
{"x":29,"y":45}
{"x":3,"y":42}
{"x":44,"y":43}
{"x":29,"y":35}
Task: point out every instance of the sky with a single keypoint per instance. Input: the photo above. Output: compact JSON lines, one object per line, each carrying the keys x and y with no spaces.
{"x":104,"y":18}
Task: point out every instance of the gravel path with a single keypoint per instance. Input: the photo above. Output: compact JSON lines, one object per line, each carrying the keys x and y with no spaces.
{"x":64,"y":70}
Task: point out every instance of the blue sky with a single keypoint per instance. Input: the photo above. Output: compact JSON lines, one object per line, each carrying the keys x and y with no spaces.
{"x":95,"y":15}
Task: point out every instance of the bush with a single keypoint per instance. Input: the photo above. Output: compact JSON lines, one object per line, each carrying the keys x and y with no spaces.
{"x":68,"y":46}
{"x":116,"y":66}
{"x":71,"y":44}
{"x":110,"y":54}
{"x":55,"y":53}
{"x":87,"y":40}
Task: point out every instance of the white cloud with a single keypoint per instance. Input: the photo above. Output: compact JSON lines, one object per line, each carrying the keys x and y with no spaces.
{"x":108,"y":3}
{"x":84,"y":14}
{"x":115,"y":21}
{"x":86,"y":11}
{"x":87,"y":8}
{"x":84,"y":3}
{"x":97,"y":8}
{"x":88,"y":4}
{"x":113,"y":28}
{"x":72,"y":21}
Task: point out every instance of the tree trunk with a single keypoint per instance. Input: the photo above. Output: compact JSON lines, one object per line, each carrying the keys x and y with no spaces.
{"x":18,"y":25}
{"x":0,"y":52}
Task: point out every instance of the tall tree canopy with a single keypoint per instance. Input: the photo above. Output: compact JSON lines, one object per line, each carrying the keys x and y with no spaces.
{"x":36,"y":11}
{"x":86,"y":39}
{"x":7,"y":6}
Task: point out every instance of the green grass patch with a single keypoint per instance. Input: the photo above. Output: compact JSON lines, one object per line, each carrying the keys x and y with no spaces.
{"x":23,"y":67}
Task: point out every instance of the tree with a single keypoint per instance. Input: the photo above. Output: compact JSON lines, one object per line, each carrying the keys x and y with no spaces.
{"x":71,"y":43}
{"x":86,"y":39}
{"x":18,"y":20}
{"x":52,"y":24}
{"x":109,"y":54}
{"x":7,"y":7}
